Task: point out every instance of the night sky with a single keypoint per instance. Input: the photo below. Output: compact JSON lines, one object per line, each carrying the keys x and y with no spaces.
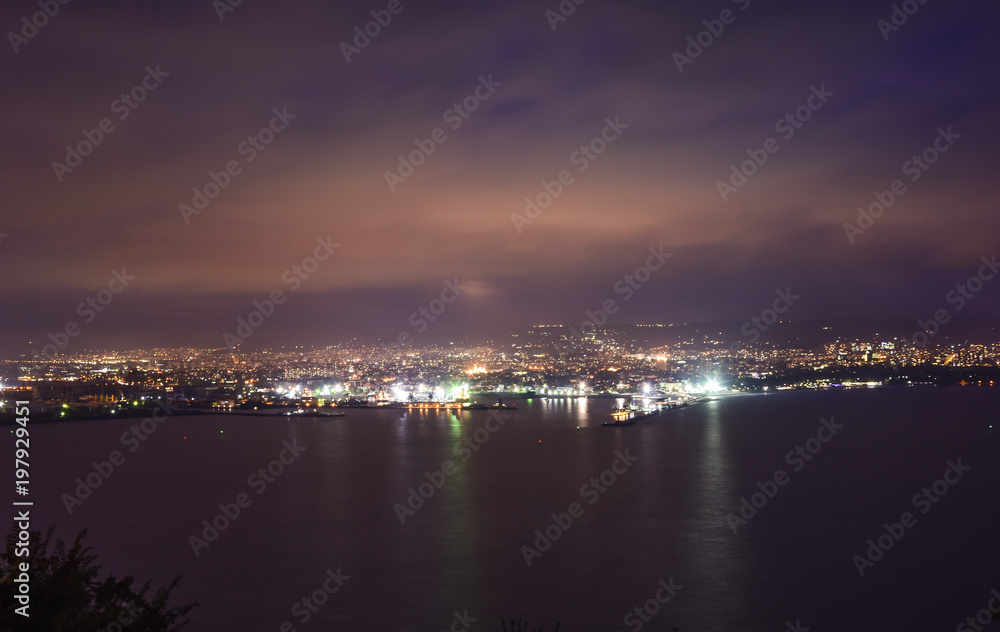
{"x":875,"y":96}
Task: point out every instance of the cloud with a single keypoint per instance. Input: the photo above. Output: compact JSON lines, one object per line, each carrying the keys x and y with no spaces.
{"x":325,"y":174}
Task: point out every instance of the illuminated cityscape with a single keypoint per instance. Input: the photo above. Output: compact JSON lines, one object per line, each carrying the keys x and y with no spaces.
{"x":520,"y":316}
{"x":542,"y":361}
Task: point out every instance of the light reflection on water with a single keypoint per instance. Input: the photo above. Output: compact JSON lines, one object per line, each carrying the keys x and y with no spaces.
{"x":720,"y":570}
{"x":664,"y":517}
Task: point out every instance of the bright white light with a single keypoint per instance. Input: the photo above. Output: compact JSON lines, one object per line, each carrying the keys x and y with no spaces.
{"x":712,"y":386}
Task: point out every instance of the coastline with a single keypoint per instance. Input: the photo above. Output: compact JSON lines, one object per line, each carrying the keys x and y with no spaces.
{"x":7,"y":418}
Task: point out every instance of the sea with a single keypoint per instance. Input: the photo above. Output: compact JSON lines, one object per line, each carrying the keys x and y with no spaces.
{"x":837,"y":509}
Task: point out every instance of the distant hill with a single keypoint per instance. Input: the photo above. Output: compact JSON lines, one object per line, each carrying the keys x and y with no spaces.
{"x":806,"y":334}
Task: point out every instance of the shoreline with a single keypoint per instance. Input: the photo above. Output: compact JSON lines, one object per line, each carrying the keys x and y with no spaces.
{"x":8,"y":419}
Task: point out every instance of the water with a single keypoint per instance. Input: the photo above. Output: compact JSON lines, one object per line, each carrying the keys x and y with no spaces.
{"x":664,"y":516}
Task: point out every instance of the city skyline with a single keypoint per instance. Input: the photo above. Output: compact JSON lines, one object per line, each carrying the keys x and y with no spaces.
{"x":390,"y":168}
{"x":398,"y":315}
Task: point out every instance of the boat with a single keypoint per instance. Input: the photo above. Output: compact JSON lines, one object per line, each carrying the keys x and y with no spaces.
{"x":315,"y":412}
{"x":497,"y":406}
{"x":623,"y":416}
{"x":430,"y":406}
{"x":627,"y":415}
{"x":630,"y":422}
